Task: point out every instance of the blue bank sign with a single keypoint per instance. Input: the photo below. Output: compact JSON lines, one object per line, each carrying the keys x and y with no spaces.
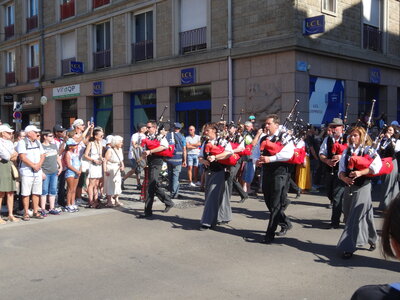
{"x":98,"y":87}
{"x":314,"y":25}
{"x":375,"y":75}
{"x":188,"y":76}
{"x":76,"y":67}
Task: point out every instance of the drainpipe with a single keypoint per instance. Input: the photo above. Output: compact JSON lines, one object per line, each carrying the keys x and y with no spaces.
{"x":42,"y":59}
{"x":230,"y":80}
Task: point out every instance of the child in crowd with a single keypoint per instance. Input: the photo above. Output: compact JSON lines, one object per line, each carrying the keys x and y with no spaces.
{"x":72,"y":173}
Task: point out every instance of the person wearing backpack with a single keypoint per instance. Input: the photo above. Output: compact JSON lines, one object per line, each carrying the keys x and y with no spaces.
{"x":178,"y":160}
{"x":32,"y":156}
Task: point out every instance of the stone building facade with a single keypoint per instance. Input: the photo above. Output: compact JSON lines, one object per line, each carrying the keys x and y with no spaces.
{"x":121,"y":62}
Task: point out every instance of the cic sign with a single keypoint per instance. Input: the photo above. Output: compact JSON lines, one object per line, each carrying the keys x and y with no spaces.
{"x":66,"y":91}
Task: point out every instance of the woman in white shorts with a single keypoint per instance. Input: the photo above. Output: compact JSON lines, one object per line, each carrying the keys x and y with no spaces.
{"x":94,"y":154}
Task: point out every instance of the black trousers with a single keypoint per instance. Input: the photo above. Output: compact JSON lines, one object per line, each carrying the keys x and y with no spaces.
{"x":335,"y":191}
{"x":154,"y":188}
{"x":61,"y":193}
{"x":232,"y":181}
{"x":275,"y":188}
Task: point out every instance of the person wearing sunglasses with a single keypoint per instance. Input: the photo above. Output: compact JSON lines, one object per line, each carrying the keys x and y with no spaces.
{"x":52,"y":168}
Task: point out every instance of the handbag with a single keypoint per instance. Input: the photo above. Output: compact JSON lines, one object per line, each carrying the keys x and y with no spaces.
{"x":14,"y":171}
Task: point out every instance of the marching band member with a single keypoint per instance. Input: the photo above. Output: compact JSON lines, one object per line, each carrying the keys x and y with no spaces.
{"x":357,"y":202}
{"x":334,"y":186}
{"x":216,"y":205}
{"x":390,"y":186}
{"x":155,"y":162}
{"x":276,"y":175}
{"x":237,"y":143}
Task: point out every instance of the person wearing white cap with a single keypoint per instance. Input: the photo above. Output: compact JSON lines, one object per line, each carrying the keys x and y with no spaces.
{"x":7,"y":181}
{"x":82,"y":136}
{"x":32,"y":156}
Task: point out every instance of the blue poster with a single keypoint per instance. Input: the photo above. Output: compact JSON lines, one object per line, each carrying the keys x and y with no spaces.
{"x":326,"y":100}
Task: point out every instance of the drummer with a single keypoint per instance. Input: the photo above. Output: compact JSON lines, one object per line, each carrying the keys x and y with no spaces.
{"x":134,"y":154}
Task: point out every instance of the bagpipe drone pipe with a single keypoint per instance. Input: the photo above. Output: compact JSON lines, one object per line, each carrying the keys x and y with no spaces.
{"x":293,"y":130}
{"x":361,"y":162}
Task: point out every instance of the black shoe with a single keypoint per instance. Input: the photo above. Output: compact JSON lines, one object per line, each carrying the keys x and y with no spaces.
{"x":139,"y":187}
{"x":372,"y":246}
{"x":268,"y":239}
{"x":168,"y":207}
{"x":222,"y":222}
{"x":145,"y":216}
{"x":204,"y":228}
{"x":333,"y":226}
{"x":243,"y":199}
{"x":298,"y":194}
{"x":347,"y":255}
{"x":282,"y":232}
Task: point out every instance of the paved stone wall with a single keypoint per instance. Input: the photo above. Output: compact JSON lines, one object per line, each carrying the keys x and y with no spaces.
{"x":119,"y":40}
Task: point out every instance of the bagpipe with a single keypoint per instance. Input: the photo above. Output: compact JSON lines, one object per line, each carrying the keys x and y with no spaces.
{"x":211,"y":149}
{"x":292,"y":130}
{"x":339,"y":146}
{"x":364,"y":161}
{"x":153,"y":143}
{"x":222,"y":134}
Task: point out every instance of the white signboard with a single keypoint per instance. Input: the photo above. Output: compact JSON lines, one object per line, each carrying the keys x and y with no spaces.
{"x":66,"y":91}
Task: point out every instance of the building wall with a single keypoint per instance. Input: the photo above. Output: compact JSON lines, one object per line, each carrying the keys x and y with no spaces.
{"x":267,"y":43}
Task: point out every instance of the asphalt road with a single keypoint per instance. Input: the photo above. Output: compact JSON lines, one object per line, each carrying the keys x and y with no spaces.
{"x":111,"y":254}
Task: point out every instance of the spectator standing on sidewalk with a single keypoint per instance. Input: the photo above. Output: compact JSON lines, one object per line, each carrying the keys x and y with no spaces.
{"x":72,"y":173}
{"x":249,"y":169}
{"x":178,"y":161}
{"x":52,"y":168}
{"x":113,"y":166}
{"x":60,"y":135}
{"x":32,"y":156}
{"x":192,"y":145}
{"x":7,"y":182}
{"x":135,"y":153}
{"x":81,"y":136}
{"x":94,"y":154}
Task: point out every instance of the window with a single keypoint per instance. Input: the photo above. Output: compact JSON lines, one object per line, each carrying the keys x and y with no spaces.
{"x":143,"y":108}
{"x":69,"y":112}
{"x":34,"y":55}
{"x":372,"y":36}
{"x":98,"y":3}
{"x":367,"y":92}
{"x":102,"y":56}
{"x":32,"y":19}
{"x":10,"y":15}
{"x":10,"y":67}
{"x":9,"y":19}
{"x":68,"y":50}
{"x":32,"y":8}
{"x":329,"y":6}
{"x":33,"y":60}
{"x":326,"y":99}
{"x":193,"y":25}
{"x":193,"y":105}
{"x":67,"y":9}
{"x":103,"y":116}
{"x":142,"y":48}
